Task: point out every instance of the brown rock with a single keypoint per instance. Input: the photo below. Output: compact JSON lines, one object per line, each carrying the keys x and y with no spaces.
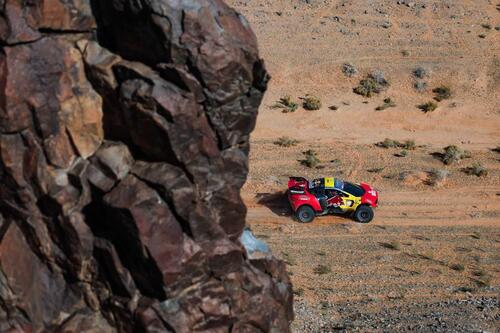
{"x":122,"y":154}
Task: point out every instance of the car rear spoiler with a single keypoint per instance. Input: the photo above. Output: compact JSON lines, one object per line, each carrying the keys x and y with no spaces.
{"x":298,"y":179}
{"x":297,"y":182}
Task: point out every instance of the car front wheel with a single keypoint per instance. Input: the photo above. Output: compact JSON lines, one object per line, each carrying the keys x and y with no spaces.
{"x":364,"y":214}
{"x":305,"y":214}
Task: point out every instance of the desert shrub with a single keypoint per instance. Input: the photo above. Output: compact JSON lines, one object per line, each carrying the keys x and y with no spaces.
{"x":333,"y":108}
{"x":311,"y":159}
{"x":373,"y":84}
{"x":408,"y":145}
{"x":390,"y":143}
{"x":285,"y":141}
{"x":286,"y":104}
{"x":486,"y":26}
{"x":376,"y":170}
{"x":479,"y":272}
{"x":322,"y":269}
{"x":311,"y":103}
{"x":496,"y":149}
{"x":437,"y":176}
{"x":454,"y":154}
{"x":393,"y":245}
{"x":457,"y":267}
{"x":428,"y":107}
{"x":476,"y":170}
{"x":420,"y":86}
{"x":405,"y":53}
{"x":481,"y":36}
{"x":402,"y":153}
{"x":420,"y":72}
{"x":349,"y":70}
{"x":388,"y":103}
{"x":442,"y":93}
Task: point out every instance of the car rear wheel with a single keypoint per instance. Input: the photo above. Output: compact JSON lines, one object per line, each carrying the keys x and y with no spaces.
{"x":364,"y":214}
{"x":305,"y":214}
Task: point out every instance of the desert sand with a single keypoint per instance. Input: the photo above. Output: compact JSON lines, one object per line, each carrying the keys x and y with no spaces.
{"x":430,"y":260}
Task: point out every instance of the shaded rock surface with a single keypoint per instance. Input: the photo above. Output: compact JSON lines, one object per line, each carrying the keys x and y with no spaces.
{"x":124,"y":136}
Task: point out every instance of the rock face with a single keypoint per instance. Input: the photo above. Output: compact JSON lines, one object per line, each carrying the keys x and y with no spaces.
{"x":124,"y":135}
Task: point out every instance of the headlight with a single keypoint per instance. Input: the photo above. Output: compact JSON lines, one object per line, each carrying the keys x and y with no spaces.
{"x":349,"y":203}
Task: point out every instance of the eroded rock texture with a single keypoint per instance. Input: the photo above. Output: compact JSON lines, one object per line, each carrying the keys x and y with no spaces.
{"x":124,"y":132}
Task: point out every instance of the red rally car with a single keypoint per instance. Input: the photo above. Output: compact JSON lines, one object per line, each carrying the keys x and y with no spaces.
{"x":330,"y":195}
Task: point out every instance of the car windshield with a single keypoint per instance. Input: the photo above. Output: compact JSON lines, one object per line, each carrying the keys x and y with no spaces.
{"x":353,"y":189}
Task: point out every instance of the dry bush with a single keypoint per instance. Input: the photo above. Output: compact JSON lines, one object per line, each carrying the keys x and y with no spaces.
{"x":457,"y":267}
{"x":476,"y":170}
{"x":393,"y":245}
{"x":286,"y":104}
{"x":373,"y":84}
{"x":322,"y":269}
{"x":442,"y":93}
{"x":428,"y":107}
{"x":311,"y":103}
{"x":349,"y":70}
{"x":454,"y":154}
{"x":390,"y":143}
{"x":311,"y":159}
{"x":402,"y":153}
{"x":437,"y":176}
{"x":420,"y":72}
{"x":388,"y":103}
{"x":285,"y":141}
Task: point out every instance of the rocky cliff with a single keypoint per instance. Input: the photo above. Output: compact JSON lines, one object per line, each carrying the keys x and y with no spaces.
{"x":124,"y":130}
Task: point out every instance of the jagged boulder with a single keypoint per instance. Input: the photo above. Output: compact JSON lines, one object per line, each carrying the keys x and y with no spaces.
{"x":124,"y":138}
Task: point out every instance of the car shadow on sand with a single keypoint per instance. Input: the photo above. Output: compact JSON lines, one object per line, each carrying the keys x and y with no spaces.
{"x":277,"y":202}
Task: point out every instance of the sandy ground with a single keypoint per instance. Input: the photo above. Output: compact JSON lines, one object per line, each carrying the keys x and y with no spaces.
{"x":430,"y":260}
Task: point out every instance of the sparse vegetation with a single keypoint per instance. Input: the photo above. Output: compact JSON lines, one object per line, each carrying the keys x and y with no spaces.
{"x":428,"y":107}
{"x":333,"y":108}
{"x":402,"y":153}
{"x":479,"y":272}
{"x":487,"y":26}
{"x":405,"y":53}
{"x":373,"y":84}
{"x":454,"y":154}
{"x":442,"y":93}
{"x":420,"y":86}
{"x":483,"y":282}
{"x":349,"y":70}
{"x":376,"y":170}
{"x":311,"y":159}
{"x":476,"y":170}
{"x":393,"y":245}
{"x":286,"y":104}
{"x":457,"y":267}
{"x":420,"y":72}
{"x":311,"y":103}
{"x":390,"y":143}
{"x":437,"y":176}
{"x":496,"y":149}
{"x":482,"y":36}
{"x":388,"y":103}
{"x":321,"y":270}
{"x":285,"y":141}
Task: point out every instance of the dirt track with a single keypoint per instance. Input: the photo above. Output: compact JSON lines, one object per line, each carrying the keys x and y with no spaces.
{"x":429,"y":262}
